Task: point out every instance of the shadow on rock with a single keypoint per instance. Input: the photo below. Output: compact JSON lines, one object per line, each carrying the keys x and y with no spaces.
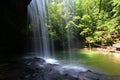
{"x":36,"y":68}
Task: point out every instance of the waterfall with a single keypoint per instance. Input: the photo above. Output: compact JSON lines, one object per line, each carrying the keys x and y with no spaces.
{"x":69,"y":11}
{"x":39,"y":20}
{"x":43,"y":43}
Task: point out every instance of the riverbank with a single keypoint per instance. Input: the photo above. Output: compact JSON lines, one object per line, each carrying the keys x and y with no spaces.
{"x":105,"y":51}
{"x":108,"y":50}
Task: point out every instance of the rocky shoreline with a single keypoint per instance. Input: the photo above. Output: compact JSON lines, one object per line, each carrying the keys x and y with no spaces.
{"x":36,"y":68}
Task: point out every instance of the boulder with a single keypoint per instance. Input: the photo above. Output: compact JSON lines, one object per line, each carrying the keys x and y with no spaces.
{"x":36,"y":68}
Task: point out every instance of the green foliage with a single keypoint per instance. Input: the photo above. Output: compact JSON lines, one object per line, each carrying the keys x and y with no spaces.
{"x":93,"y":20}
{"x":116,"y":8}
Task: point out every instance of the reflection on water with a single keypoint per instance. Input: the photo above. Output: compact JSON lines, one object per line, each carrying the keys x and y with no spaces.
{"x":95,"y":61}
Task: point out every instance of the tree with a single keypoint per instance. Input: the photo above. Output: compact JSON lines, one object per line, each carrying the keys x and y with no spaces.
{"x":93,"y":20}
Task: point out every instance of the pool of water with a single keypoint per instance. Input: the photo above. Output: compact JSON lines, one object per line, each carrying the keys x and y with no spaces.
{"x":95,"y":61}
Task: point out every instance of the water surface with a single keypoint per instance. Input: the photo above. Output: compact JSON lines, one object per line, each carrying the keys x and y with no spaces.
{"x":95,"y":61}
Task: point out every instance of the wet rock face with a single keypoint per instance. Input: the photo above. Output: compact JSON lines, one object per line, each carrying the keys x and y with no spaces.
{"x":35,"y":68}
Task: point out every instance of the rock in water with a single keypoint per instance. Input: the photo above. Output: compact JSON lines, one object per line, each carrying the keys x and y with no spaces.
{"x":36,"y":68}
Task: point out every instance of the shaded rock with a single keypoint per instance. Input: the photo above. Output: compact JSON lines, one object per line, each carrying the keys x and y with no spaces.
{"x":35,"y":68}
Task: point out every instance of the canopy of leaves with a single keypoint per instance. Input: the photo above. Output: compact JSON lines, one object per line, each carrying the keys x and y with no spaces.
{"x":93,"y":20}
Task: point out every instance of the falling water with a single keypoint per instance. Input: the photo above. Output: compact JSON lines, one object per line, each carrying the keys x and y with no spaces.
{"x":39,"y":16}
{"x":40,"y":19}
{"x":69,"y":11}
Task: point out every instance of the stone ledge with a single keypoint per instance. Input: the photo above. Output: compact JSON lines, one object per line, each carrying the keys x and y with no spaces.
{"x":35,"y":68}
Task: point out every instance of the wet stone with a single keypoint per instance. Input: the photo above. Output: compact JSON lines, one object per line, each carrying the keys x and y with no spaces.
{"x":35,"y":68}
